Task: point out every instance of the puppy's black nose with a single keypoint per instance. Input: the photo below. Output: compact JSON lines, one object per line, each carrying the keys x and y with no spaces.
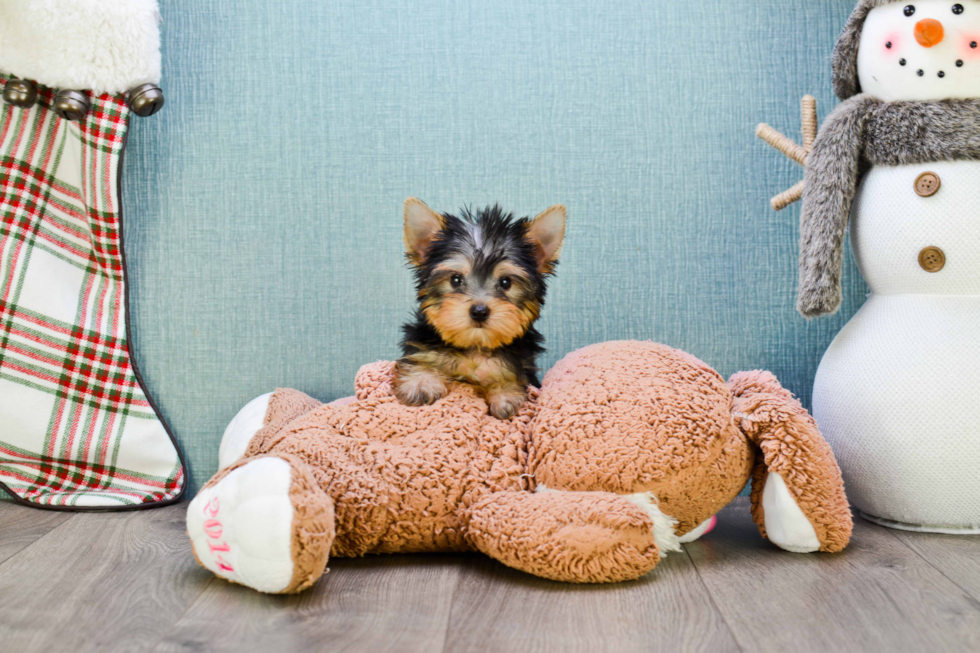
{"x":479,"y":312}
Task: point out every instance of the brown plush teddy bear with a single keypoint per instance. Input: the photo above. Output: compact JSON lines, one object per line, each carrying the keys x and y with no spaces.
{"x":628,"y":450}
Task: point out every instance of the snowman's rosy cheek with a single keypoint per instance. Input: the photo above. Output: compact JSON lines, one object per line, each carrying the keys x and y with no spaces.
{"x":892,"y":44}
{"x":970,"y":47}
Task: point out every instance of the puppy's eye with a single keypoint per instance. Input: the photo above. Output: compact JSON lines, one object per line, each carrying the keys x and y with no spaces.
{"x":457,"y":280}
{"x":957,"y":9}
{"x":505,"y":283}
{"x":909,"y":10}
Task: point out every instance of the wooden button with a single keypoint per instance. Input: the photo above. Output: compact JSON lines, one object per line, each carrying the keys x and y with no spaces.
{"x":927,"y":184}
{"x":932,"y":259}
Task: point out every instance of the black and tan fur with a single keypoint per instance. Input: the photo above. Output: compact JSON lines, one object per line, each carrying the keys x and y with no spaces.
{"x":481,"y":282}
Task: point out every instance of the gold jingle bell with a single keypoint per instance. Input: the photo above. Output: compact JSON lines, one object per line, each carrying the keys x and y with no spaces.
{"x":20,"y":93}
{"x":71,"y":105}
{"x":145,"y":100}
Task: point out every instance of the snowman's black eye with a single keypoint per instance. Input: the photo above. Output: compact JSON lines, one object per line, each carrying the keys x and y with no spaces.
{"x":909,"y":10}
{"x":957,"y":9}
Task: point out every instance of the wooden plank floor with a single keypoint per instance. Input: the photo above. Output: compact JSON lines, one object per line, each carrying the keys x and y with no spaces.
{"x":127,"y":582}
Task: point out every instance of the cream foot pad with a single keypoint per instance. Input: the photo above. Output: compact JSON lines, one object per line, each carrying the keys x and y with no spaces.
{"x":241,"y":527}
{"x":786,"y":525}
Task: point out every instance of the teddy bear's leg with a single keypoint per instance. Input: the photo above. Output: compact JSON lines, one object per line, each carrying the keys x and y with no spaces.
{"x":798,"y":499}
{"x":265,"y":523}
{"x":577,"y":537}
{"x":273,"y":409}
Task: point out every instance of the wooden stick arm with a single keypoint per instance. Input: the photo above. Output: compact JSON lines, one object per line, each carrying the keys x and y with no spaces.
{"x":782,"y":143}
{"x":808,"y":109}
{"x":791,"y":149}
{"x":784,"y":199}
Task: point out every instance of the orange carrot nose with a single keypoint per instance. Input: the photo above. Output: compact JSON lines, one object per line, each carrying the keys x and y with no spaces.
{"x":929,"y":32}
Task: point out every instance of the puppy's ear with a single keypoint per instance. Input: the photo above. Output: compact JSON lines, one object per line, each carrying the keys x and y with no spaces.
{"x":547,"y":233}
{"x":421,"y":226}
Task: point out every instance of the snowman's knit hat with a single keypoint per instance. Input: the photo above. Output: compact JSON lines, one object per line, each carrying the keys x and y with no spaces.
{"x":846,"y":82}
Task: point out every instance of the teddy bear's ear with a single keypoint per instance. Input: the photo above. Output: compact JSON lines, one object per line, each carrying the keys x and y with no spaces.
{"x":422,"y":224}
{"x":547,"y":233}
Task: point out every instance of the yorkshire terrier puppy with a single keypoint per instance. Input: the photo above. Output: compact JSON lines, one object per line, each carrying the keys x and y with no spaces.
{"x":481,"y":281}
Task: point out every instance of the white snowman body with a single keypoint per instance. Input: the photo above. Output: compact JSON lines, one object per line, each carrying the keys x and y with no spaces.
{"x":897,"y":394}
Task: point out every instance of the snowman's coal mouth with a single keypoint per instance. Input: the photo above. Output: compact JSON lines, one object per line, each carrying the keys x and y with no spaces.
{"x":941,"y":74}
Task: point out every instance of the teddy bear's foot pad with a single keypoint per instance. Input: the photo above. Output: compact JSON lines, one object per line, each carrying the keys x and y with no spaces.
{"x":241,"y":528}
{"x":242,"y":428}
{"x":786,"y":525}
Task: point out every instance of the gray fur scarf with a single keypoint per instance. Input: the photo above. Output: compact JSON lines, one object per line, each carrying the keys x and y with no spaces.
{"x":863,"y":132}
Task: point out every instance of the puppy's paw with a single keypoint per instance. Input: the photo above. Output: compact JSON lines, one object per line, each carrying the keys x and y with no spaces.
{"x":505,"y":403}
{"x":419,"y":387}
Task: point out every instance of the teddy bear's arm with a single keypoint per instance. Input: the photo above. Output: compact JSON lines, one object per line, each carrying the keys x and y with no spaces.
{"x":577,"y":537}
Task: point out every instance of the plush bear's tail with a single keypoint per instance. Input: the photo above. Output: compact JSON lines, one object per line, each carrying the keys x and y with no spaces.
{"x":792,"y":449}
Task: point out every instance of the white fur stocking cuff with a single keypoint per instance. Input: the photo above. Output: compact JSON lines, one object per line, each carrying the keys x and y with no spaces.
{"x":106,"y":46}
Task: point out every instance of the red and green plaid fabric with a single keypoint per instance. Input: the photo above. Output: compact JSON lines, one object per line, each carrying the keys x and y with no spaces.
{"x":77,"y":429}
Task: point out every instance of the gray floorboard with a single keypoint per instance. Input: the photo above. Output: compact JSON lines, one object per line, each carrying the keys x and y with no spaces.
{"x":500,"y":609}
{"x":128,"y":582}
{"x":21,"y":526}
{"x":377,"y":603}
{"x":100,"y":582}
{"x":956,"y":556}
{"x":878,"y":595}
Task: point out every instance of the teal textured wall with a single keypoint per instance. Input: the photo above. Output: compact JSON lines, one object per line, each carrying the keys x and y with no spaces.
{"x":263,"y":205}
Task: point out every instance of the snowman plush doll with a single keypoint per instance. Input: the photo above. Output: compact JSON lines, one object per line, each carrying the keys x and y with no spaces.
{"x":898,"y":392}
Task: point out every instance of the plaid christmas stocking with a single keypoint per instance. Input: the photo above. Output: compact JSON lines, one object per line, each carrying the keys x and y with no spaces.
{"x":77,"y":429}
